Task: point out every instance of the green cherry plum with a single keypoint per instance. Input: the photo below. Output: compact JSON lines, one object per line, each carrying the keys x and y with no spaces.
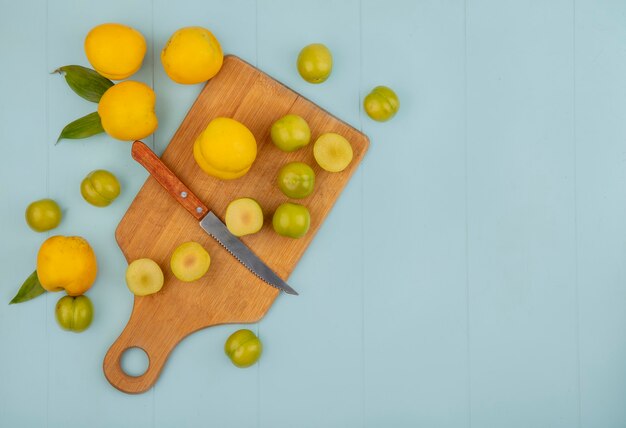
{"x":243,"y":348}
{"x":100,"y":188}
{"x":291,"y":220}
{"x":74,"y":313}
{"x":315,"y":62}
{"x":296,"y":180}
{"x":43,"y":215}
{"x":381,"y":104}
{"x":290,"y":133}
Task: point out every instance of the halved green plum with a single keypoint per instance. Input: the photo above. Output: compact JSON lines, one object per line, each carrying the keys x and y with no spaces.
{"x":244,"y":216}
{"x":190,"y":261}
{"x":144,"y":277}
{"x":332,"y":152}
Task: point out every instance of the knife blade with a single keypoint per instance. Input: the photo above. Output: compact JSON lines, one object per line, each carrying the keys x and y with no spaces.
{"x":209,"y":222}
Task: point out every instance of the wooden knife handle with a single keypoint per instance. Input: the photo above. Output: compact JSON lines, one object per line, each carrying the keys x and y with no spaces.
{"x":166,"y":178}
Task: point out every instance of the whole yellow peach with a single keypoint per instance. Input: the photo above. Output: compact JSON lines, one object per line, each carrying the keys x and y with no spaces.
{"x":192,"y":55}
{"x":127,"y":111}
{"x":115,"y":51}
{"x":66,"y":263}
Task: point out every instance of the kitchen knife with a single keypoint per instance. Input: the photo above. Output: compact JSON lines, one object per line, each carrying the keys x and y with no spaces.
{"x":208,"y":221}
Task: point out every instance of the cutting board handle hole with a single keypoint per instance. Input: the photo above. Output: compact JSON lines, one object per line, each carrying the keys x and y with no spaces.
{"x":134,"y":361}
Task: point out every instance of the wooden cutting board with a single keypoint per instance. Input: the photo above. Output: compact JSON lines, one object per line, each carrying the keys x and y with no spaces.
{"x":155,"y":224}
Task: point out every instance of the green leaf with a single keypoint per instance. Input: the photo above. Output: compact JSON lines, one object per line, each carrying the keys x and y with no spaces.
{"x":29,"y":290}
{"x":85,"y":82}
{"x":84,"y":127}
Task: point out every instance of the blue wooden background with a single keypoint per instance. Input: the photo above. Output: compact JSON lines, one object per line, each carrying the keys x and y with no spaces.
{"x":472,"y":274}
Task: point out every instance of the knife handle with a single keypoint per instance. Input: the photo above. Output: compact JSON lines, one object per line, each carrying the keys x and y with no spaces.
{"x":166,"y":178}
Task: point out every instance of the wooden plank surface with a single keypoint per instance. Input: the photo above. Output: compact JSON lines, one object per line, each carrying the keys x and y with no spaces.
{"x":69,"y":162}
{"x":424,"y":279}
{"x":17,"y":238}
{"x":234,"y":390}
{"x":156,"y":224}
{"x":410,"y":332}
{"x":327,"y":366}
{"x":601,"y":209}
{"x":521,"y":214}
